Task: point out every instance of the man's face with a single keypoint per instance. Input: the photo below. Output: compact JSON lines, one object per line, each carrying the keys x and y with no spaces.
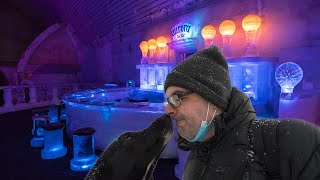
{"x":190,"y":113}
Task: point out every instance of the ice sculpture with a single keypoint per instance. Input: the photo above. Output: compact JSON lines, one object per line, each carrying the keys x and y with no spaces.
{"x":288,"y":75}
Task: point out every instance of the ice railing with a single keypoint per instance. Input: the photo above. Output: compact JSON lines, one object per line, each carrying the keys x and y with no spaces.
{"x":15,"y":98}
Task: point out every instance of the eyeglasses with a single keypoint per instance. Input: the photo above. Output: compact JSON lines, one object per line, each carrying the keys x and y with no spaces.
{"x":175,"y":99}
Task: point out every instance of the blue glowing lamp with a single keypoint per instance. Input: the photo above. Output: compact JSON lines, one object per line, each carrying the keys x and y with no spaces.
{"x":130,"y":84}
{"x":288,"y":75}
{"x":83,"y":150}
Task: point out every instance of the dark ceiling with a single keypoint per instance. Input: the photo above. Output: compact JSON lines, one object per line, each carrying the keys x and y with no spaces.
{"x":93,"y":18}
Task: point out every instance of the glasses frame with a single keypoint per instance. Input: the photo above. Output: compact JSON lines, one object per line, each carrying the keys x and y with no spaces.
{"x":179,"y":96}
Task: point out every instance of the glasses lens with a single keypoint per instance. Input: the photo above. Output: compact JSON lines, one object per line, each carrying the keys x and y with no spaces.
{"x":174,"y":101}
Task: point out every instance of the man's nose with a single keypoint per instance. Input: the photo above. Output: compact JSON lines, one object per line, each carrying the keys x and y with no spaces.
{"x":169,"y":110}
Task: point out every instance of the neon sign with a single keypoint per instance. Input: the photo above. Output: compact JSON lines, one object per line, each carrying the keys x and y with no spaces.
{"x":181,"y":31}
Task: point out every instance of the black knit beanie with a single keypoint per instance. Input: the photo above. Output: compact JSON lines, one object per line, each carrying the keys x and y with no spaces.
{"x":206,"y":73}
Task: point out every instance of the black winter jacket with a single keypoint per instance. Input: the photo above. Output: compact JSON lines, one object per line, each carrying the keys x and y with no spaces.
{"x":231,"y":154}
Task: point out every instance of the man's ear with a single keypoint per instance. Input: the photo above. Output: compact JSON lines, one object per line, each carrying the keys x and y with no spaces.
{"x":219,"y":110}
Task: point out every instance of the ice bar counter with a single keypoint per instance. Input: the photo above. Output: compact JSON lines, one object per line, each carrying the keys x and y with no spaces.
{"x":112,"y":112}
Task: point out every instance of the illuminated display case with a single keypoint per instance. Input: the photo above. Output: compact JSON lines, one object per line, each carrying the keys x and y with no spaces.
{"x":152,"y":76}
{"x":255,"y":77}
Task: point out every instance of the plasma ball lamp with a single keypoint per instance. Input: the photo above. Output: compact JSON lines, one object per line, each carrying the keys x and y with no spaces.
{"x":288,"y":75}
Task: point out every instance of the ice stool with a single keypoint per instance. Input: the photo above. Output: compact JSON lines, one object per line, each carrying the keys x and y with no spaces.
{"x":84,"y":156}
{"x":53,"y":141}
{"x":37,"y":130}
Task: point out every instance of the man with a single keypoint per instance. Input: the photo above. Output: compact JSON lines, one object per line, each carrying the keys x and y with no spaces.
{"x":218,"y":124}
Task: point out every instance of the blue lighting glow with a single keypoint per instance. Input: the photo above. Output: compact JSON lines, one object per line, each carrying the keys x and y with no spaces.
{"x":250,"y":75}
{"x":249,"y":80}
{"x":253,"y":76}
{"x":53,"y":114}
{"x":110,"y":85}
{"x":288,"y":75}
{"x":130,"y":84}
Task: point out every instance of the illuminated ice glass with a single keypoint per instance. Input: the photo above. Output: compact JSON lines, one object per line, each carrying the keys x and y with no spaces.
{"x":53,"y":141}
{"x":83,"y":150}
{"x":288,"y":75}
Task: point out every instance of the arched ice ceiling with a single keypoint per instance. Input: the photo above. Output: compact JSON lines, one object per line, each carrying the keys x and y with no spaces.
{"x":93,"y":18}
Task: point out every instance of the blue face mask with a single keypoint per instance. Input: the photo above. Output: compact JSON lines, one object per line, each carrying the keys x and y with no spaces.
{"x":204,"y":127}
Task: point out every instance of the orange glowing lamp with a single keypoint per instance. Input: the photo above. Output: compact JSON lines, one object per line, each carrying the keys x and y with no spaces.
{"x":144,"y":47}
{"x":251,"y":22}
{"x":152,"y":44}
{"x":144,"y":50}
{"x":162,"y":45}
{"x":162,"y":42}
{"x":208,"y":32}
{"x":227,"y":28}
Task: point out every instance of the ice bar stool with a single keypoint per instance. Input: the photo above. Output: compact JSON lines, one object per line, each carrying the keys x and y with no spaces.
{"x":53,"y":141}
{"x":37,"y":130}
{"x":84,"y":157}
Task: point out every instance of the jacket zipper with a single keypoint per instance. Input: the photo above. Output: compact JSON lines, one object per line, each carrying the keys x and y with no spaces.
{"x":204,"y":169}
{"x":206,"y":164}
